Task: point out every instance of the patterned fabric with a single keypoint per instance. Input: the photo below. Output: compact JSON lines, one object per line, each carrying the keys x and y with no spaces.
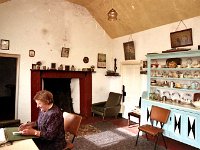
{"x":51,"y":125}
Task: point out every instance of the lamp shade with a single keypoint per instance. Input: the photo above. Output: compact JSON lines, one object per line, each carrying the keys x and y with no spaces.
{"x":112,"y":15}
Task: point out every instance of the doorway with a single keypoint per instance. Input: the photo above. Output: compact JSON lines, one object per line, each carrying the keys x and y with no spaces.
{"x":131,"y":79}
{"x":8,"y":82}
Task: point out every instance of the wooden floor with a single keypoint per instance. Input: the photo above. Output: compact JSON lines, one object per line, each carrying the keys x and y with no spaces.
{"x":121,"y":122}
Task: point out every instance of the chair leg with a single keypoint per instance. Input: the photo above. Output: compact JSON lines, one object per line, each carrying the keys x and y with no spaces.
{"x":156,"y":142}
{"x":137,"y":138}
{"x":73,"y":139}
{"x":128,"y":119}
{"x":139,"y":121}
{"x":147,"y":137}
{"x":164,"y":141}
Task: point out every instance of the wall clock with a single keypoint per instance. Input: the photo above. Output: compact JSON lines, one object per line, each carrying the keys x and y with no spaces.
{"x":85,"y":59}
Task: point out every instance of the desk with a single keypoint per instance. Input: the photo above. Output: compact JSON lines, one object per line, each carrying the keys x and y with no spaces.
{"x":19,"y":142}
{"x":21,"y":145}
{"x":134,"y":113}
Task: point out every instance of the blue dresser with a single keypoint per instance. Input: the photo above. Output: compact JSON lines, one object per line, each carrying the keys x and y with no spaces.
{"x":172,"y":81}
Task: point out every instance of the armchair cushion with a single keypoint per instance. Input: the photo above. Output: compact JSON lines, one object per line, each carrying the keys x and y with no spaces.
{"x":111,"y":107}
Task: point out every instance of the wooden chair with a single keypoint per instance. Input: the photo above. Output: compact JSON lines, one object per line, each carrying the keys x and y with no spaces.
{"x":71,"y":125}
{"x":157,"y":114}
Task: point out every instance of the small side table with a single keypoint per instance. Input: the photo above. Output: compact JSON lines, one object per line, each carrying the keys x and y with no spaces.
{"x":134,"y":113}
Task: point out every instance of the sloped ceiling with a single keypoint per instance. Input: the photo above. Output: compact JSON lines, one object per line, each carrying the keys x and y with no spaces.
{"x":138,"y":15}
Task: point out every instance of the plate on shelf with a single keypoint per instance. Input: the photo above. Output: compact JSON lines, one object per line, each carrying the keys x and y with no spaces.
{"x":176,"y":96}
{"x":187,"y":97}
{"x":167,"y":94}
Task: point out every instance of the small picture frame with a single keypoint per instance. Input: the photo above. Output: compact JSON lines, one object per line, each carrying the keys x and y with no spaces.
{"x":129,"y":50}
{"x":65,"y":52}
{"x":143,"y":67}
{"x":181,"y":38}
{"x":53,"y":66}
{"x":31,"y":53}
{"x":101,"y":62}
{"x":34,"y":66}
{"x":5,"y":44}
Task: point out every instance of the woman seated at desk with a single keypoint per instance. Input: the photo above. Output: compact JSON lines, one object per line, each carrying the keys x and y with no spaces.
{"x":50,"y":124}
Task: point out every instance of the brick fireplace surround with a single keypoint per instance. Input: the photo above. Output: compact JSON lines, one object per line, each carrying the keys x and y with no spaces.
{"x":85,"y":84}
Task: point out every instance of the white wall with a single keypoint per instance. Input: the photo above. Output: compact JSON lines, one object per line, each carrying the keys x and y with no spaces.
{"x":155,"y":40}
{"x":45,"y":26}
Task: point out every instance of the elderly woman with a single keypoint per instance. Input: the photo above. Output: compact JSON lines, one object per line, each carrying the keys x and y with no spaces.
{"x":49,"y":128}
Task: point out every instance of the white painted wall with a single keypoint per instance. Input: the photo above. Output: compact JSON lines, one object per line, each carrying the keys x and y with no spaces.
{"x":153,"y":40}
{"x":46,"y":26}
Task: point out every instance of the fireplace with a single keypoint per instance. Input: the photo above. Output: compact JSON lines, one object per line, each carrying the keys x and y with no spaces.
{"x":61,"y":90}
{"x":85,"y":85}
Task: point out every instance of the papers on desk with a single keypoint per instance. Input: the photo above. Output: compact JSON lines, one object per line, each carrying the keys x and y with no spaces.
{"x":2,"y":136}
{"x":11,"y":134}
{"x":17,"y":133}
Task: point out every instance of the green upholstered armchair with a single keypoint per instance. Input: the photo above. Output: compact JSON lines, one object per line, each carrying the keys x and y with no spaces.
{"x":108,"y":108}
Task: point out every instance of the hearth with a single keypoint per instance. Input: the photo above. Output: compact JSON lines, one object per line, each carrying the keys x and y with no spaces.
{"x":61,"y":91}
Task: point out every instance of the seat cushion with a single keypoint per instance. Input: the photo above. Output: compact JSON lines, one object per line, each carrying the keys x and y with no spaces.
{"x":150,"y":129}
{"x":97,"y":109}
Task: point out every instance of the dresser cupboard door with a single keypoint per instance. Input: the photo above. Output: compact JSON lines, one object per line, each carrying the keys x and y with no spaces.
{"x":191,"y":127}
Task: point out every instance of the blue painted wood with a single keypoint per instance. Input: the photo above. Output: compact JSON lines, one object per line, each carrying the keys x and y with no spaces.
{"x":184,"y":121}
{"x":182,"y":125}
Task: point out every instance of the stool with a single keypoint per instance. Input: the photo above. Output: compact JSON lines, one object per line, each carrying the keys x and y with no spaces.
{"x":134,"y":113}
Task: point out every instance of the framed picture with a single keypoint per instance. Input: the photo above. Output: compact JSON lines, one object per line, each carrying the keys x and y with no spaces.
{"x":53,"y":66}
{"x":101,"y":62}
{"x":143,"y":67}
{"x":5,"y":44}
{"x":31,"y":53}
{"x":34,"y":66}
{"x":129,"y":50}
{"x":65,"y":52}
{"x":181,"y":38}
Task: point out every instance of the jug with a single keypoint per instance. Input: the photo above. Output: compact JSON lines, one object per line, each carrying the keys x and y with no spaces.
{"x":164,"y":98}
{"x":172,"y":84}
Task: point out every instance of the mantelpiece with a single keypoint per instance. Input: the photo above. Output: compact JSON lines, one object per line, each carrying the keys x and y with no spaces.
{"x":85,"y":81}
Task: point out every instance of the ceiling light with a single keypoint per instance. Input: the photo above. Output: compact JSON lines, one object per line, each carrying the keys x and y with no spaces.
{"x":112,"y":15}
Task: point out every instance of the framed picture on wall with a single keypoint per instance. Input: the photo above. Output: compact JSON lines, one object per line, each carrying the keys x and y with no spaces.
{"x":101,"y":60}
{"x":31,"y":53}
{"x":5,"y":44}
{"x":129,"y":50}
{"x":181,"y":38}
{"x":65,"y":52}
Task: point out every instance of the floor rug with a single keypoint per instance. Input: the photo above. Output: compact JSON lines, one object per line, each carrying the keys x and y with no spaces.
{"x":109,"y":137}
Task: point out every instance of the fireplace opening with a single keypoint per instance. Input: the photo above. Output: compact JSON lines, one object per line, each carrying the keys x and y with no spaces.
{"x":61,"y":90}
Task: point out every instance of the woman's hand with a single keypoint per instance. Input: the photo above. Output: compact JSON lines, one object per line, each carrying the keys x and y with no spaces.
{"x":29,"y":131}
{"x":26,"y":126}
